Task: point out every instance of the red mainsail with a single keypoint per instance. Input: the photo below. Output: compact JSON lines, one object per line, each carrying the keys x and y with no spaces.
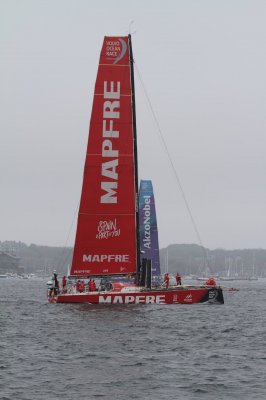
{"x":106,"y":231}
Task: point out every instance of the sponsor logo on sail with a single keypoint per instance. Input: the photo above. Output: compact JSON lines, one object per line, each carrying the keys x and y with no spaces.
{"x":115,"y":50}
{"x":147,"y":222}
{"x":82,"y":271}
{"x":110,"y":153}
{"x":105,"y":258}
{"x":107,"y":229}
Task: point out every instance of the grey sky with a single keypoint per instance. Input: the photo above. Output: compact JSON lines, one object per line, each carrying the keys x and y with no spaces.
{"x":203,"y":64}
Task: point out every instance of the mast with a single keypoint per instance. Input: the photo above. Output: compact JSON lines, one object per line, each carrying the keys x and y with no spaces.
{"x":135,"y":150}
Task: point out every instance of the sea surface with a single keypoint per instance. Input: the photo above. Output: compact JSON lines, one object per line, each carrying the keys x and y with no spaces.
{"x":200,"y":351}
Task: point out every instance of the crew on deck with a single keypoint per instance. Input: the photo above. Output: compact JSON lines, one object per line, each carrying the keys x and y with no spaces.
{"x":78,"y":285}
{"x":82,"y":287}
{"x":55,"y":283}
{"x":64,"y":283}
{"x":166,"y":280}
{"x":211,"y":282}
{"x":178,"y":279}
{"x":92,"y":285}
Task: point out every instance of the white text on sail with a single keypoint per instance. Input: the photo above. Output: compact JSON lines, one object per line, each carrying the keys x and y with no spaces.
{"x":111,"y":112}
{"x":147,"y":222}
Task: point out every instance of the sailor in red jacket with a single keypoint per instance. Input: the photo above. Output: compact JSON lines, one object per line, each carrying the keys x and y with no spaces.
{"x":81,"y":286}
{"x":93,"y":286}
{"x":166,"y":280}
{"x":211,"y":282}
{"x":78,"y":285}
{"x":64,"y":282}
{"x":90,"y":283}
{"x":178,"y":279}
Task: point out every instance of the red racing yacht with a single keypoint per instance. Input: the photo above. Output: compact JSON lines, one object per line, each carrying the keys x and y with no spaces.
{"x":107,"y":244}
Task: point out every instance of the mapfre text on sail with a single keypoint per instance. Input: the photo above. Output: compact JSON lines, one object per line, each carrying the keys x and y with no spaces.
{"x":111,"y":112}
{"x":92,"y":258}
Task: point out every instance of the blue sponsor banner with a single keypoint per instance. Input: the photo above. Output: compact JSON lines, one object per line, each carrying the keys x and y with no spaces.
{"x":149,"y":244}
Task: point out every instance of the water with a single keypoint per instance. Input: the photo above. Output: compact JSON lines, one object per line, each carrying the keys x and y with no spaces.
{"x":60,"y":351}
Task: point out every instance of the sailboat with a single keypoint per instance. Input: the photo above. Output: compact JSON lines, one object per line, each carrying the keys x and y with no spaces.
{"x":107,"y":245}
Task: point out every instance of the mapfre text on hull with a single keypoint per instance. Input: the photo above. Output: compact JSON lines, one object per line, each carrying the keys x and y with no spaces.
{"x":182,"y":295}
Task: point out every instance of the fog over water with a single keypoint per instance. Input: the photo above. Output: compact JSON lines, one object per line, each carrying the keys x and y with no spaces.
{"x":203,"y":65}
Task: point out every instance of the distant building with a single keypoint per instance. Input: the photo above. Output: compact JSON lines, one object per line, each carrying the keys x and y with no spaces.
{"x":9,"y":263}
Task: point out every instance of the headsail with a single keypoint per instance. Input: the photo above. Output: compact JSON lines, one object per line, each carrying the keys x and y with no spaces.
{"x":106,"y":231}
{"x":149,"y":244}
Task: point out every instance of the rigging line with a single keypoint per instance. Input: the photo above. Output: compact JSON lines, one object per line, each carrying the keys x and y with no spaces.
{"x":63,"y":261}
{"x":171,"y":162}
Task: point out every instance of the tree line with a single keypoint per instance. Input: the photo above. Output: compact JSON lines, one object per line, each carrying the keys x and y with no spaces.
{"x":187,"y":259}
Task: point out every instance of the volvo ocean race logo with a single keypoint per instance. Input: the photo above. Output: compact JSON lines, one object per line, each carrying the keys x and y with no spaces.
{"x":107,"y":229}
{"x":115,"y":50}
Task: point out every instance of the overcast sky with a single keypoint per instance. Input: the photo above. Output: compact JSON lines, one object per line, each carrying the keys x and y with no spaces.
{"x":203,"y":64}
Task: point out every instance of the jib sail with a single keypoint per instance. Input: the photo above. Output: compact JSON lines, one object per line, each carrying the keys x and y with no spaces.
{"x":149,"y":244}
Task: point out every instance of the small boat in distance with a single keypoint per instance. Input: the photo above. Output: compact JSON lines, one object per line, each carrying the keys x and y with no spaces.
{"x":107,"y":265}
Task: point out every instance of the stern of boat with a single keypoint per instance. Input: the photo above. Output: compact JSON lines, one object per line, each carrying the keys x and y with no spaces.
{"x":214,"y":296}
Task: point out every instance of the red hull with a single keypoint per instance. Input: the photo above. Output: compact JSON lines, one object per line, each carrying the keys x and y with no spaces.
{"x":182,"y":295}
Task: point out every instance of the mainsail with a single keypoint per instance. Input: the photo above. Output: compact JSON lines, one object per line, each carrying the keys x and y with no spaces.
{"x":106,"y":240}
{"x":149,"y":244}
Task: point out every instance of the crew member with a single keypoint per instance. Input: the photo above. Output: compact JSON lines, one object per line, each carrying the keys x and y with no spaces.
{"x":56,"y":283}
{"x":64,"y":282}
{"x":81,"y":286}
{"x":166,"y":280}
{"x":93,"y":286}
{"x":211,"y":282}
{"x":90,"y":285}
{"x":178,"y":279}
{"x":78,"y":285}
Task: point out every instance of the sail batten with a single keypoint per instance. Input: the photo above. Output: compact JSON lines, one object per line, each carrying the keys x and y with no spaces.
{"x":106,"y":231}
